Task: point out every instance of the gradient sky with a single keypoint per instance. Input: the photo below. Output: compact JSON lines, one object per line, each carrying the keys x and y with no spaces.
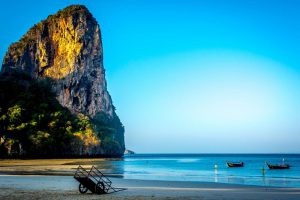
{"x":193,"y":76}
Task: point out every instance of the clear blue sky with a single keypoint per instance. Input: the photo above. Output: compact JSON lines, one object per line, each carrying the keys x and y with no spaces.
{"x":193,"y":76}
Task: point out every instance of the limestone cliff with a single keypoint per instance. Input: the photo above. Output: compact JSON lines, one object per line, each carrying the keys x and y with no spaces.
{"x":67,"y":48}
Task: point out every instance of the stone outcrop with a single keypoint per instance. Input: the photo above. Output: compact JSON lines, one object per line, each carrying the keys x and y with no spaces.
{"x":67,"y":48}
{"x":129,"y":152}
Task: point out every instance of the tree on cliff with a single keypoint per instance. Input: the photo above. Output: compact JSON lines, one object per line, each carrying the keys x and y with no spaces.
{"x":34,"y":124}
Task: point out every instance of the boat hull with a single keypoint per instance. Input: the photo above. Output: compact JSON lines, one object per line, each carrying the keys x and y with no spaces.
{"x":285,"y":166}
{"x":241,"y":164}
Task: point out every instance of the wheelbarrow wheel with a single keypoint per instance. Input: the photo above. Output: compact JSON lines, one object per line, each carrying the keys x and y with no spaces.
{"x":100,"y":188}
{"x":82,"y":189}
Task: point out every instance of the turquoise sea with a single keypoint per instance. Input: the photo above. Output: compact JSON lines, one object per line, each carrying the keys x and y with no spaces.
{"x":201,"y":167}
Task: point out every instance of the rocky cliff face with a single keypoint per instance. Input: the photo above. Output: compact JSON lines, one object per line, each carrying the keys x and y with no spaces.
{"x":67,"y":48}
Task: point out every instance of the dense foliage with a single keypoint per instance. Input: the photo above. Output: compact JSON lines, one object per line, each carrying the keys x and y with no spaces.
{"x":34,"y":124}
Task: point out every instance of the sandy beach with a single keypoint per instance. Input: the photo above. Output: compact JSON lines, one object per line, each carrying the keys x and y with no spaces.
{"x":52,"y":166}
{"x":65,"y":187}
{"x":52,"y":179}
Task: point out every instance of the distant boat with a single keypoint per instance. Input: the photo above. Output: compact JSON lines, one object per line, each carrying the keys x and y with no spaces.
{"x":280,"y":166}
{"x":239,"y":164}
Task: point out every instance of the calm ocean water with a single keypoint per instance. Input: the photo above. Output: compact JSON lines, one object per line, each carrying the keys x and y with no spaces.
{"x":200,"y":167}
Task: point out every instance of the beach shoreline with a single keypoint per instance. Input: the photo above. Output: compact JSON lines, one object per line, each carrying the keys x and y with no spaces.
{"x":59,"y":167}
{"x":66,"y":187}
{"x":53,"y":179}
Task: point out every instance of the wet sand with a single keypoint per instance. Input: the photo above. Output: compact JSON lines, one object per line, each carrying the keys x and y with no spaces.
{"x":65,"y":187}
{"x":52,"y":166}
{"x":55,"y":181}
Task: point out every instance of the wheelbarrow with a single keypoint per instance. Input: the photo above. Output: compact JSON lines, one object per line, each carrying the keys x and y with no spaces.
{"x":95,"y":181}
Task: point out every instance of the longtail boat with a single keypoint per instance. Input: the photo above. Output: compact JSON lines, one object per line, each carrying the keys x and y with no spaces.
{"x":279,"y":166}
{"x":231,"y":164}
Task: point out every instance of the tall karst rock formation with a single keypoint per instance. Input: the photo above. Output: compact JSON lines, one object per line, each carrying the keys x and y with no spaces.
{"x":67,"y":48}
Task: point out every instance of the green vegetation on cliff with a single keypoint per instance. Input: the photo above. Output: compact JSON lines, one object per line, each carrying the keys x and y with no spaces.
{"x":34,"y":124}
